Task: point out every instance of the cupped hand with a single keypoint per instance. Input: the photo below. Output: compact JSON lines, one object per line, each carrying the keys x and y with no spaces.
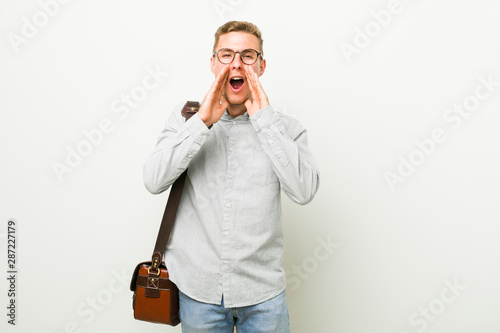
{"x":258,"y":98}
{"x":214,"y":104}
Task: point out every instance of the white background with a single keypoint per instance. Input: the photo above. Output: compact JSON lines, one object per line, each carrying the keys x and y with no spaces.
{"x":398,"y":250}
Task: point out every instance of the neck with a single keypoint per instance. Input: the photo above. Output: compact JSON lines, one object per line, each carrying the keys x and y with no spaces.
{"x":236,"y":110}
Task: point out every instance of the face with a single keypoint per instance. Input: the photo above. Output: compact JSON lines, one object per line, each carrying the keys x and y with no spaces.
{"x":237,"y":41}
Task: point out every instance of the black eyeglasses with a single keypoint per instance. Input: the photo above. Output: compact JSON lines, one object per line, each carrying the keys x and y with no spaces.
{"x":248,"y":56}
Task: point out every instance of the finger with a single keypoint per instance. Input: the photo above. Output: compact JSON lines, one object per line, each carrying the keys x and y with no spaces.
{"x":218,"y":84}
{"x":222,"y":78}
{"x":256,"y":81}
{"x":221,"y":83}
{"x":248,"y":104}
{"x":249,"y":75}
{"x":251,"y":81}
{"x":259,"y":91}
{"x":223,"y":101}
{"x":256,"y":87}
{"x":253,"y":96}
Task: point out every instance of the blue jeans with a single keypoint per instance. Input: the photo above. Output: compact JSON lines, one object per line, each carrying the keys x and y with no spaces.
{"x":267,"y":317}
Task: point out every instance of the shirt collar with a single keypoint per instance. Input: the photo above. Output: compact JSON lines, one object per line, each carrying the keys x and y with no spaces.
{"x":227,"y":117}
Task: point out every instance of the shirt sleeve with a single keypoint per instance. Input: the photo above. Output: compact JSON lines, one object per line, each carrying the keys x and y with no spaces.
{"x":285,"y":142}
{"x":177,"y":144}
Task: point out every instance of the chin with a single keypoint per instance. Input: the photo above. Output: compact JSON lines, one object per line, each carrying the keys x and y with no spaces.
{"x":236,"y":99}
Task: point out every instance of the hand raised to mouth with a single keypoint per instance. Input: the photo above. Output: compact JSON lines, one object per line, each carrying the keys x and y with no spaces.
{"x":214,"y":104}
{"x":258,"y":98}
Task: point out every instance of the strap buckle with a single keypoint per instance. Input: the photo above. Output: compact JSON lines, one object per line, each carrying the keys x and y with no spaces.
{"x":157,"y":273}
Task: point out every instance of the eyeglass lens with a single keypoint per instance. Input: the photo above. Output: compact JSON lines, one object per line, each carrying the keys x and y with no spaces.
{"x":249,"y":57}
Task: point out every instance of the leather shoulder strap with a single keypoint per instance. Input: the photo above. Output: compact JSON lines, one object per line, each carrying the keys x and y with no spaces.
{"x":167,"y":222}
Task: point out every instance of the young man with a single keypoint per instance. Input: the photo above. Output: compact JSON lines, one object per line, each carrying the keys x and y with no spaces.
{"x":225,"y":252}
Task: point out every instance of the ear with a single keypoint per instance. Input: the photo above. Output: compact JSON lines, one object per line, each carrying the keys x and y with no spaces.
{"x":262,"y":66}
{"x":212,"y":65}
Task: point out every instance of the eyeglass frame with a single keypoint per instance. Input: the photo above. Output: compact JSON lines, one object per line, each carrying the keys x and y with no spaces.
{"x":234,"y":55}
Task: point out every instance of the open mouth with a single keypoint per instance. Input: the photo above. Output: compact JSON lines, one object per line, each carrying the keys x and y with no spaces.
{"x":237,"y":83}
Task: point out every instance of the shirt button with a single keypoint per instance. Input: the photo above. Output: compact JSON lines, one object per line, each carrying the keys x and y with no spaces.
{"x":226,"y":233}
{"x":231,"y":149}
{"x":234,"y":122}
{"x":228,"y":204}
{"x":229,"y":176}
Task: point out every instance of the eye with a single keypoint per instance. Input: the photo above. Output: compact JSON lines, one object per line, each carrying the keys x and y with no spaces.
{"x":225,"y":53}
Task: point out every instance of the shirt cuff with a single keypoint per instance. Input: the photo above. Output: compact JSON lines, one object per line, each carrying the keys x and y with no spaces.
{"x":264,"y":118}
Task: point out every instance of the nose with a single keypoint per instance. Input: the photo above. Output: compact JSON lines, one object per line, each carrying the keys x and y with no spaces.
{"x":236,"y":63}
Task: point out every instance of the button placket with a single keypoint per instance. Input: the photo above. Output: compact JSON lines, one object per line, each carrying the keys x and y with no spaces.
{"x":228,"y":216}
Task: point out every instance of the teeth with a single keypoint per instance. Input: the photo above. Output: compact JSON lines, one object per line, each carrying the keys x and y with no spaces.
{"x":237,"y":78}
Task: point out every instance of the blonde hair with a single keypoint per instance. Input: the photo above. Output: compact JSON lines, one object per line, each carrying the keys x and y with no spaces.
{"x":239,"y":26}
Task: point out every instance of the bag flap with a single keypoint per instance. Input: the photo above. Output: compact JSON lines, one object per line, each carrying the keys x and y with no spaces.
{"x":136,"y":273}
{"x":133,"y":282}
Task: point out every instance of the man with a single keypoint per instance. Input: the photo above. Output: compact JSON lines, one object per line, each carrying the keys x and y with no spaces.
{"x":225,"y":252}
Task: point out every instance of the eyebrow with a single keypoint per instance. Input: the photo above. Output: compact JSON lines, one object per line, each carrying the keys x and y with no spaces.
{"x":227,"y":48}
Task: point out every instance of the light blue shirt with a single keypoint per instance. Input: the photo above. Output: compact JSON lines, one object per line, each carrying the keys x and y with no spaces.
{"x":228,"y":237}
